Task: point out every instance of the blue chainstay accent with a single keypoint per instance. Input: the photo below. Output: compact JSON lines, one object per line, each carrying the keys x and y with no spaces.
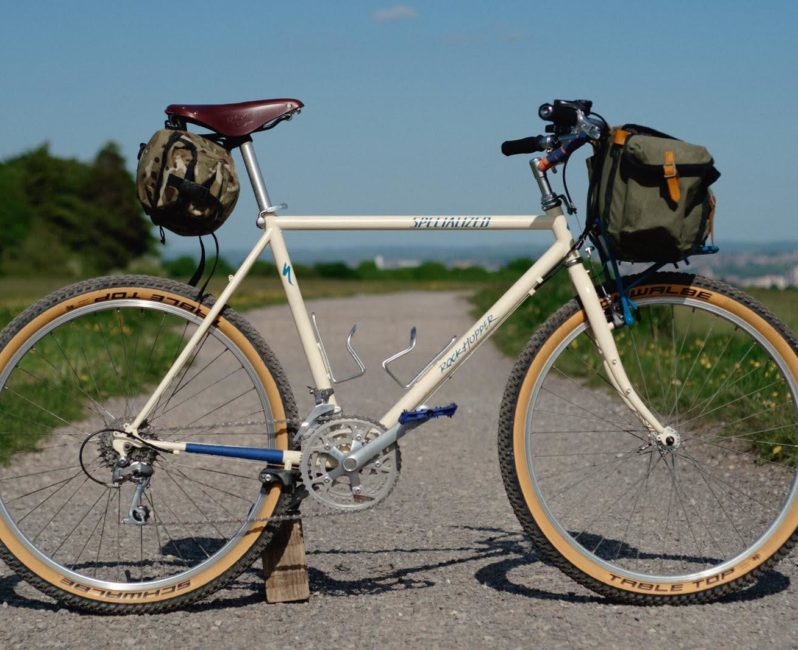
{"x":408,"y":417}
{"x":247,"y":453}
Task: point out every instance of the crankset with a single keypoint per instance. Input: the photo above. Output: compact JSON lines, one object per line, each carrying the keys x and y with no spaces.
{"x":323,"y":473}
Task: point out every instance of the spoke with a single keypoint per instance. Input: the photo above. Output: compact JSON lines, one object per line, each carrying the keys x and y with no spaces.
{"x":183,"y":384}
{"x":639,"y":364}
{"x":564,"y":472}
{"x":180,"y":343}
{"x":630,"y":518}
{"x":573,"y":431}
{"x":215,"y":385}
{"x":77,"y":431}
{"x":101,"y":329}
{"x":198,"y":509}
{"x":702,"y":472}
{"x":99,"y":409}
{"x":175,"y":545}
{"x":649,"y":468}
{"x":221,"y":406}
{"x":698,"y":439}
{"x":126,"y":359}
{"x":733,"y":401}
{"x":677,"y":357}
{"x":584,"y":453}
{"x":77,"y":525}
{"x":176,"y":384}
{"x":690,"y":372}
{"x":41,"y":489}
{"x":591,"y":413}
{"x":672,"y":469}
{"x":756,"y":457}
{"x":667,"y":526}
{"x":178,"y":521}
{"x":60,"y":509}
{"x":40,"y":472}
{"x":601,"y":514}
{"x":62,"y":485}
{"x":156,"y":524}
{"x":216,"y":471}
{"x":705,"y":405}
{"x":585,"y":477}
{"x":212,"y":487}
{"x":740,"y":491}
{"x":102,"y":532}
{"x":715,"y":366}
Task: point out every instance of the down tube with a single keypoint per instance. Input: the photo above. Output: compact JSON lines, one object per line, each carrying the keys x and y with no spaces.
{"x":477,"y":334}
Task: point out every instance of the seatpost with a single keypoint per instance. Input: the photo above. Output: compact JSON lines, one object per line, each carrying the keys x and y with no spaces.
{"x":255,"y":176}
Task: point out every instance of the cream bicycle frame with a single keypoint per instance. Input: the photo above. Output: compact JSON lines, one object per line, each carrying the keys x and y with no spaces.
{"x":560,"y":251}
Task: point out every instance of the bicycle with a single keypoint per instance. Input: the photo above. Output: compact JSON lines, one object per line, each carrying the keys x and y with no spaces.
{"x":652,"y":459}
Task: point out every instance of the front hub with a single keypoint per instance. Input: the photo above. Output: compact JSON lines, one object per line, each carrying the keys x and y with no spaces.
{"x":669,"y":439}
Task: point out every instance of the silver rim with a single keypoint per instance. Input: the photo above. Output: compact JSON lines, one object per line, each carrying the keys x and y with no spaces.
{"x":102,"y":360}
{"x":649,"y":513}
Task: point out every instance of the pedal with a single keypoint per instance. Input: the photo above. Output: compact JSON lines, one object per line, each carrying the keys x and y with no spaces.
{"x":427,"y":413}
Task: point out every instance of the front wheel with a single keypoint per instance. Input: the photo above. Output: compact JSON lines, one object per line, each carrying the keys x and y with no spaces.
{"x":641,"y":520}
{"x":77,"y":366}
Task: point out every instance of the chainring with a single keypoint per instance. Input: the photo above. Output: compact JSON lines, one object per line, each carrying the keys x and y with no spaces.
{"x":324,"y":450}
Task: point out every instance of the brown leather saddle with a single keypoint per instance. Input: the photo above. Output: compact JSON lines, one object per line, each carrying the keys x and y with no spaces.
{"x":236,"y":120}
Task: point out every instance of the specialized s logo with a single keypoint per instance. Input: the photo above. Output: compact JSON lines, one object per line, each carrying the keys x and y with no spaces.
{"x":287,"y":273}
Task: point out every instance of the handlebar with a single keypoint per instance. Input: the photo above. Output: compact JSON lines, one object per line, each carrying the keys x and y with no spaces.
{"x":525,"y":145}
{"x":571,"y":127}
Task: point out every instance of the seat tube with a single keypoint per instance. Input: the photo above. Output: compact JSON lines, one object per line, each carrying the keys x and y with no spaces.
{"x":286,"y":270}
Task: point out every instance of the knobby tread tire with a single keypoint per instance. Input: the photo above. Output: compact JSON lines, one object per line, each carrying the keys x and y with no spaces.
{"x":507,"y":457}
{"x":289,"y":406}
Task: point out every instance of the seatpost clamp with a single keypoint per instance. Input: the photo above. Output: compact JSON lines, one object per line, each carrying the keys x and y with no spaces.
{"x":260,"y":222}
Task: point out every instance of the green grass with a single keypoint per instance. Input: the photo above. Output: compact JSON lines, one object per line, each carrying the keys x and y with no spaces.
{"x":70,"y":370}
{"x":82,"y":364}
{"x":67,"y":398}
{"x":711,"y":365}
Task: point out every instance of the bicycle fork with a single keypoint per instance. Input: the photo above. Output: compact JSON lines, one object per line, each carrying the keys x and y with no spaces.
{"x":608,"y":351}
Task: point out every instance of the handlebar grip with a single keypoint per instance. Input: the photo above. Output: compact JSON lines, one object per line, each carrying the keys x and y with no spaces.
{"x":524,"y":145}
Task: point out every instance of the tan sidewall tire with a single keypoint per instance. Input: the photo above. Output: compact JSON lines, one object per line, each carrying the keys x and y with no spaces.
{"x":225,"y":564}
{"x":743,"y":572}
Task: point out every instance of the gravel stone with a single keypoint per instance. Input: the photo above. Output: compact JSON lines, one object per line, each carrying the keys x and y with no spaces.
{"x":442,"y":563}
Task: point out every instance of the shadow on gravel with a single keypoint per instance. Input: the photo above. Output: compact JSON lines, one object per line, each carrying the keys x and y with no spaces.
{"x":514,"y":550}
{"x":247,"y":590}
{"x":403,"y":569}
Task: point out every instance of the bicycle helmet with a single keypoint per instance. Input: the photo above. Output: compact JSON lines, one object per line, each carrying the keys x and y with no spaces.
{"x":186,"y":182}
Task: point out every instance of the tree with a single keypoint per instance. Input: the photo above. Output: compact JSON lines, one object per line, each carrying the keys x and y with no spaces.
{"x":64,"y":216}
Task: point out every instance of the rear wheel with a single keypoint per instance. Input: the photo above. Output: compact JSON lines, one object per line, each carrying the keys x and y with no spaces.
{"x":683,"y":520}
{"x":76,"y":367}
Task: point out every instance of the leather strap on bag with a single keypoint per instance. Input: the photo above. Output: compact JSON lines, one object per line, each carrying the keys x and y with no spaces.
{"x":672,"y":176}
{"x":619,"y":137}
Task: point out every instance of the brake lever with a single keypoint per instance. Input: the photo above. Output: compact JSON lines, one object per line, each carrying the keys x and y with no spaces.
{"x":586,"y":126}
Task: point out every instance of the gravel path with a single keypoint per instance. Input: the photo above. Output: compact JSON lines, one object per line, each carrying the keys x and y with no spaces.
{"x":441,"y":564}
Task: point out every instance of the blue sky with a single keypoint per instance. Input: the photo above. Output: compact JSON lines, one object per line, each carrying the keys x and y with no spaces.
{"x":407,"y":103}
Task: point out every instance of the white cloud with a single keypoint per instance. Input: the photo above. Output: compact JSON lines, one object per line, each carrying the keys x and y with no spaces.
{"x":397,"y":12}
